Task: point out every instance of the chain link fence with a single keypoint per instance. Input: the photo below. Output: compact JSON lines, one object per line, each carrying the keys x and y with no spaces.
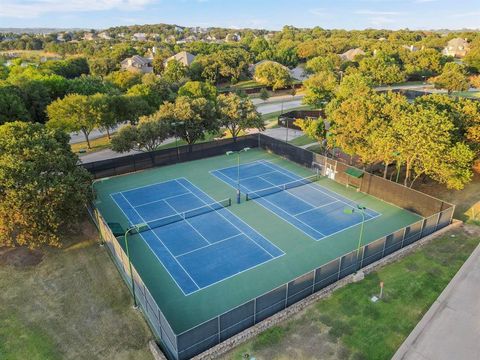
{"x":436,"y":213}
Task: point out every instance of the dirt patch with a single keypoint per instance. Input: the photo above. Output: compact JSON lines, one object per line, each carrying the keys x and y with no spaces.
{"x":20,"y":257}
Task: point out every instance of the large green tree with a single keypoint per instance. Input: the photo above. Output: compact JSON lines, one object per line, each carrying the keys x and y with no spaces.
{"x":273,"y":74}
{"x":147,"y":135}
{"x":12,"y":106}
{"x":190,"y":118}
{"x":319,"y":88}
{"x":452,"y":78}
{"x":43,"y":190}
{"x":238,"y":114}
{"x":198,"y":89}
{"x":74,"y":113}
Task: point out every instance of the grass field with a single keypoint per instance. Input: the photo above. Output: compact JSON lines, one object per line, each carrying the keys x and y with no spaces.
{"x":95,"y":144}
{"x":347,"y":325}
{"x":67,"y":303}
{"x":271,"y":119}
{"x":302,"y":140}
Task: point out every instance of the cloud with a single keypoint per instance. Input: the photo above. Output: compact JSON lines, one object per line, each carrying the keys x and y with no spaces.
{"x":36,"y":8}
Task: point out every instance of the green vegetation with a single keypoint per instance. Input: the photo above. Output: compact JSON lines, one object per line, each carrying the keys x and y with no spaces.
{"x":302,"y":140}
{"x":369,"y":330}
{"x":67,"y":303}
{"x":42,"y":190}
{"x":97,"y":144}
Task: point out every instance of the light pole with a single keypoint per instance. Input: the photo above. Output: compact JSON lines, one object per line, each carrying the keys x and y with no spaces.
{"x":176,"y":136}
{"x":238,"y":168}
{"x":137,"y":228}
{"x":350,"y":211}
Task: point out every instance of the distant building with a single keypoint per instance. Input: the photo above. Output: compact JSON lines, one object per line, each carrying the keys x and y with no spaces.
{"x":183,"y":57}
{"x":170,"y":39}
{"x":210,"y":38}
{"x":137,"y":63}
{"x":139,"y":37}
{"x":233,"y":37}
{"x":410,"y":48}
{"x":457,"y":47}
{"x":191,"y":38}
{"x":89,"y":36}
{"x":351,"y":54}
{"x":179,"y":29}
{"x":104,"y":35}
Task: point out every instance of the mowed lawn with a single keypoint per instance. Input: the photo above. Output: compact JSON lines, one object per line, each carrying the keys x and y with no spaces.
{"x":347,"y":325}
{"x":67,"y":303}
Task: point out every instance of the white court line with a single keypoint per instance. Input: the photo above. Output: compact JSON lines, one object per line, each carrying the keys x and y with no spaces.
{"x":153,"y":232}
{"x":318,"y":187}
{"x":163,"y":199}
{"x":154,"y":253}
{"x":210,"y":244}
{"x":258,"y":162}
{"x":236,"y":227}
{"x":316,"y":208}
{"x":288,"y":221}
{"x":188,"y":222}
{"x":141,"y":187}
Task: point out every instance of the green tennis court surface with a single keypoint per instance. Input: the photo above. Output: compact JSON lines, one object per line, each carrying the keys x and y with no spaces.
{"x":292,"y":250}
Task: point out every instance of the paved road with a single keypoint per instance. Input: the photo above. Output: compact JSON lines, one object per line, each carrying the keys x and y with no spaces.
{"x":267,"y":108}
{"x":451,"y":328}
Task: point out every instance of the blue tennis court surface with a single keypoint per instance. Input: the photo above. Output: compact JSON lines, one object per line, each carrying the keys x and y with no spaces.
{"x":198,"y":249}
{"x":313,"y":209}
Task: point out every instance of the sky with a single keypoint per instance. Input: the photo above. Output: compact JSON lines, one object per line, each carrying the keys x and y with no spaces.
{"x":264,"y":14}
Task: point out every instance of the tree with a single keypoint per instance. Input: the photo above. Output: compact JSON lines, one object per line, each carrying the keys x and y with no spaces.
{"x":73,"y":113}
{"x":190,"y":118}
{"x":12,"y":106}
{"x":426,"y":147}
{"x":102,"y":66}
{"x":273,"y":74}
{"x":148,"y":135}
{"x":89,"y":85}
{"x":330,"y":62}
{"x":475,"y":81}
{"x":238,"y":114}
{"x":382,"y":69}
{"x":320,"y":88}
{"x":472,"y":58}
{"x":124,"y":79}
{"x":313,"y":128}
{"x":174,"y":71}
{"x":154,"y":90}
{"x":43,"y":191}
{"x":452,"y":78}
{"x":423,"y":63}
{"x":198,"y":89}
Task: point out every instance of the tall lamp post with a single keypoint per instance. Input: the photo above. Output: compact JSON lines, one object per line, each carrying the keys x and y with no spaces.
{"x":350,"y":211}
{"x":138,"y":228}
{"x":229,"y":153}
{"x":175,"y":124}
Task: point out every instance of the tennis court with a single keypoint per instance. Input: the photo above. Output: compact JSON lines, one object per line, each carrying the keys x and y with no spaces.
{"x":311,"y":208}
{"x":197,"y":240}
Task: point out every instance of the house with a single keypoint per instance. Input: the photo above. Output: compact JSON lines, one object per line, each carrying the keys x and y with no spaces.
{"x":139,"y":37}
{"x":104,"y":35}
{"x":183,"y":57}
{"x":137,"y":63}
{"x":351,"y":54}
{"x":410,"y":48}
{"x":179,"y":29}
{"x":89,"y":36}
{"x":211,"y":38}
{"x":457,"y":47}
{"x":232,"y":37}
{"x":170,"y":39}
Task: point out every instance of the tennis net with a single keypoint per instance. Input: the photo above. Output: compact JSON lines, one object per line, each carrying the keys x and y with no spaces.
{"x":166,"y":220}
{"x":278,"y":188}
